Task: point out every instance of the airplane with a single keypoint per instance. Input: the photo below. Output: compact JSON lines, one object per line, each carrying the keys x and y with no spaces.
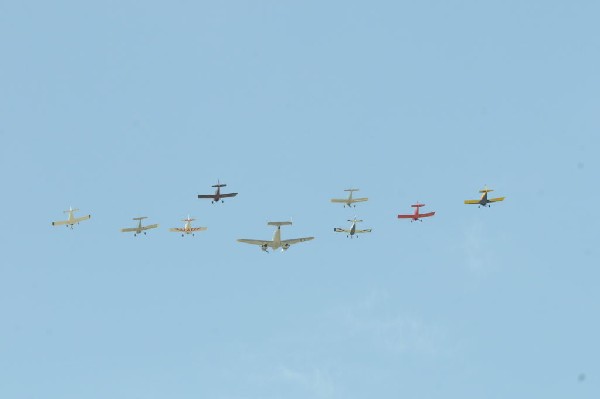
{"x":277,"y":242}
{"x":187,"y":228}
{"x":353,"y":230}
{"x":484,"y":200}
{"x":416,"y":216}
{"x":72,"y":219}
{"x":139,"y":229}
{"x":349,"y":201}
{"x":217,"y":195}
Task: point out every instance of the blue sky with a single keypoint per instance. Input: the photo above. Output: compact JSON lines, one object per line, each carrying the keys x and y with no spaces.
{"x":132,"y":108}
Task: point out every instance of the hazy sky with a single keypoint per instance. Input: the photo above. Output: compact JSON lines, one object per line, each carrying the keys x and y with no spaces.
{"x":132,"y":108}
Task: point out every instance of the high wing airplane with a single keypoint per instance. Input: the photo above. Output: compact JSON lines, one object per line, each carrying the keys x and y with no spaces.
{"x":139,"y":229}
{"x":349,"y":201}
{"x":352,"y":230}
{"x":72,"y":219}
{"x":277,"y":242}
{"x":187,"y":228}
{"x":416,"y":216}
{"x":217,"y":196}
{"x":484,"y":200}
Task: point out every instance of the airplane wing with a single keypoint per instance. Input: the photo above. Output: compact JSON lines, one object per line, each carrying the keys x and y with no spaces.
{"x":228,"y":195}
{"x":426,"y":215}
{"x":177,"y":229}
{"x":358,"y":200}
{"x":496,"y":199}
{"x":296,"y":240}
{"x":339,"y":200}
{"x":406,"y":216}
{"x":128,"y":230}
{"x":198,"y":229}
{"x":86,"y":217}
{"x":255,"y":242}
{"x":150,"y":226}
{"x":206,"y":196}
{"x":363,"y":231}
{"x":472,"y":202}
{"x":339,"y":230}
{"x":61,"y":223}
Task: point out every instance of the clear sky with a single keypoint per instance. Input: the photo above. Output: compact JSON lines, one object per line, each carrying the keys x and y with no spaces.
{"x":132,"y":108}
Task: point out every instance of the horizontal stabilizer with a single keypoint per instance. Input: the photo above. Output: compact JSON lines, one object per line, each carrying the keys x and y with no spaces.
{"x":486,"y":190}
{"x":355,"y":220}
{"x":141,"y":218}
{"x":220,"y":185}
{"x":279,"y":223}
{"x":351,"y":189}
{"x":417,"y":205}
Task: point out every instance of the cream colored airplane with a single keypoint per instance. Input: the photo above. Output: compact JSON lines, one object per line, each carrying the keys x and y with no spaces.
{"x":277,"y":242}
{"x":187,"y":228}
{"x":352,"y":230}
{"x":72,"y":219}
{"x":139,"y":229}
{"x":484,"y":200}
{"x":349,"y":201}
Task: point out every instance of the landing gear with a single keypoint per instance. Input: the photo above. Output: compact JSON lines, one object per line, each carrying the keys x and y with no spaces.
{"x":222,"y":202}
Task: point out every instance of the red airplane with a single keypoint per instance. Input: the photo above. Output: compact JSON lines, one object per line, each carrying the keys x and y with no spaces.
{"x":217,"y":195}
{"x":416,"y":216}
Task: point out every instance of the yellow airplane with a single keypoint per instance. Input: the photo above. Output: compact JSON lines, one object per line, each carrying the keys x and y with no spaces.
{"x":484,"y":200}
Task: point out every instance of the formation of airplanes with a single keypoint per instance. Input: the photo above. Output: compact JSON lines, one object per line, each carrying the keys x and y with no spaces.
{"x":276,"y":242}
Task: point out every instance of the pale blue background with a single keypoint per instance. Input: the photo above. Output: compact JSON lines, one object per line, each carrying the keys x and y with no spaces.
{"x":128,"y":108}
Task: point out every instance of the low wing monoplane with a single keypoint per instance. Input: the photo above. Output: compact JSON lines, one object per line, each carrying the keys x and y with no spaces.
{"x":187,"y":228}
{"x":352,"y":230}
{"x":416,"y":215}
{"x":139,"y":229}
{"x":484,"y":200}
{"x":72,"y":220}
{"x":276,"y":242}
{"x":349,"y":201}
{"x":217,"y":196}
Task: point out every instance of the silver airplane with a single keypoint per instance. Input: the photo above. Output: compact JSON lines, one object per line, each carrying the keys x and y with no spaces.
{"x":276,"y":242}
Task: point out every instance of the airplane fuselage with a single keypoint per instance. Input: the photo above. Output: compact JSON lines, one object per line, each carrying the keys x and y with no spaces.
{"x":484,"y":200}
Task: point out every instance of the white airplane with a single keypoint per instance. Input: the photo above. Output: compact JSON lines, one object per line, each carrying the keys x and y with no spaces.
{"x":352,"y":230}
{"x":277,"y":242}
{"x":349,"y":201}
{"x":72,"y":219}
{"x":187,"y":228}
{"x":139,"y":229}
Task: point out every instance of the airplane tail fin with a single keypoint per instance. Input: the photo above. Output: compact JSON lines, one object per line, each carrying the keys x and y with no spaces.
{"x":279,"y":223}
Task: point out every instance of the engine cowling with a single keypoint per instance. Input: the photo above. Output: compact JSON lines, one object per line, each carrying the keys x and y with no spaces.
{"x":285,"y":247}
{"x":264,"y":247}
